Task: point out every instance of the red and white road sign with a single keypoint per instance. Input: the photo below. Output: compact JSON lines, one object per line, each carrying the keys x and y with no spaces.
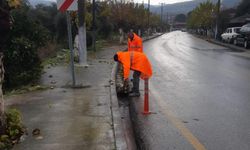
{"x":64,"y":5}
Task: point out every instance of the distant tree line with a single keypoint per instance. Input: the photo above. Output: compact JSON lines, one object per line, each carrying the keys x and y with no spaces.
{"x":204,"y":16}
{"x":111,"y":15}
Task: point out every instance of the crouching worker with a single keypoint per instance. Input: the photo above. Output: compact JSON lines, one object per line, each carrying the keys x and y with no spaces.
{"x":139,"y":63}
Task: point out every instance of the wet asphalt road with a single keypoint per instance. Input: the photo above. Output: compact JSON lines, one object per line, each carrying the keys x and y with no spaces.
{"x":199,"y":96}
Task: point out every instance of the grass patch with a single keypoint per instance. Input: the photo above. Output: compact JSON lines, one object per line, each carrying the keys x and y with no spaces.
{"x":25,"y":89}
{"x":62,"y":57}
{"x":99,"y":45}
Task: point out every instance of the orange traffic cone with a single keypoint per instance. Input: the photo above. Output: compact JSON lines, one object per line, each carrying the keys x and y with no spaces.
{"x":146,"y":102}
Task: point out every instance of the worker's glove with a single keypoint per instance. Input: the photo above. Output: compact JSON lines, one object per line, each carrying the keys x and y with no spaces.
{"x":126,"y":82}
{"x":126,"y":85}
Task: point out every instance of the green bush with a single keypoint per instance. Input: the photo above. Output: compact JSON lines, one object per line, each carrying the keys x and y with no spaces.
{"x":21,"y":61}
{"x":14,"y":124}
{"x":13,"y":130}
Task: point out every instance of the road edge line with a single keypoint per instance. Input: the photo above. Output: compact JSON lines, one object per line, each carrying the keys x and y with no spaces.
{"x":184,"y":131}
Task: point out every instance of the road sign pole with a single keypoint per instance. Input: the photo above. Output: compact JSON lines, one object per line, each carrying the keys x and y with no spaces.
{"x":71,"y":47}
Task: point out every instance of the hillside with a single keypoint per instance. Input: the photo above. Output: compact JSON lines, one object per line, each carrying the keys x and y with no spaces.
{"x":176,"y":8}
{"x":185,"y":7}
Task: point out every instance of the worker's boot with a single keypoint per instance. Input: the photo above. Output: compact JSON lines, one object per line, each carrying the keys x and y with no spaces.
{"x":134,"y":94}
{"x":136,"y":81}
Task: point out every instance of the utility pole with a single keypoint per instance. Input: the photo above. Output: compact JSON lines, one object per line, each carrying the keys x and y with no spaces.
{"x":217,"y":19}
{"x":161,"y":15}
{"x":82,"y":33}
{"x":148,"y":15}
{"x":167,"y":17}
{"x":168,"y":24}
{"x":93,"y":26}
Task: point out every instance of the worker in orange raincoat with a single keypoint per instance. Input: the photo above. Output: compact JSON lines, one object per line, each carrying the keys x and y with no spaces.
{"x":134,"y":42}
{"x":139,"y":63}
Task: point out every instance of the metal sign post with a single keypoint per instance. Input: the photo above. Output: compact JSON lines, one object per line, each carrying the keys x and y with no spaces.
{"x":67,"y":5}
{"x":71,"y":47}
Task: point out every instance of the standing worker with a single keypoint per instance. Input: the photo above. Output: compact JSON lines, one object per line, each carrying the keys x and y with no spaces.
{"x":134,"y":42}
{"x":135,"y":45}
{"x":139,"y":63}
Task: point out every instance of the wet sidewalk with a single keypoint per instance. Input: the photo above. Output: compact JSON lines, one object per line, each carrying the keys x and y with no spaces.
{"x":72,"y":119}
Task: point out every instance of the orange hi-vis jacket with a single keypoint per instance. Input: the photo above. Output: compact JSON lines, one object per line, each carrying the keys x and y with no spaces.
{"x":136,"y":61}
{"x":135,"y":44}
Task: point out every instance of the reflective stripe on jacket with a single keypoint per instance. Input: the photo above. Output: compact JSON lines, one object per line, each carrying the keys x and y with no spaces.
{"x":135,"y":44}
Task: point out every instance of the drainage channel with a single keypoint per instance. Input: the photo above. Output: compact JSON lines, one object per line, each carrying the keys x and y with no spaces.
{"x":127,"y":124}
{"x":130,"y":123}
{"x":128,"y":115}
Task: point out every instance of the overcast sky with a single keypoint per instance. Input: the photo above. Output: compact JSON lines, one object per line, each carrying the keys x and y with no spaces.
{"x":156,"y":2}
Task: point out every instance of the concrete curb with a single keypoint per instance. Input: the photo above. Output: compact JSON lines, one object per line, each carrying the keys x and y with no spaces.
{"x":120,"y":140}
{"x":233,"y":47}
{"x":234,"y":50}
{"x":150,"y":38}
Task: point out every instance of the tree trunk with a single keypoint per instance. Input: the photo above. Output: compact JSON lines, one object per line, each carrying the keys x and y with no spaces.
{"x":4,"y":31}
{"x":2,"y":118}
